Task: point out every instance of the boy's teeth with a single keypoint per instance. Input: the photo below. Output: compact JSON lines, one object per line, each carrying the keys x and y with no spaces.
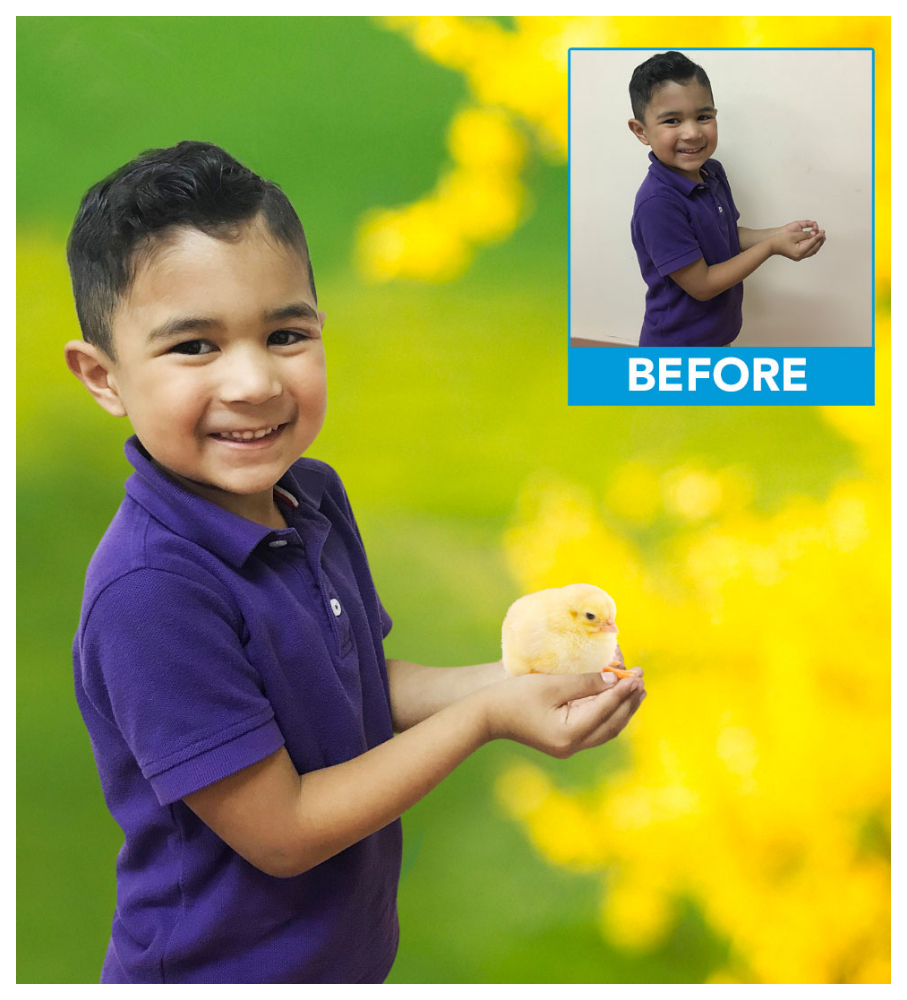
{"x":246,"y":435}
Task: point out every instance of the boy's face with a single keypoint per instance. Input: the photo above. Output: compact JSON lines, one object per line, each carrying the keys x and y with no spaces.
{"x":220,"y":364}
{"x":681,"y":127}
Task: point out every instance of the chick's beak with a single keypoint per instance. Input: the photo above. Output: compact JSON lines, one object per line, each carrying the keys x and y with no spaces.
{"x":608,"y":627}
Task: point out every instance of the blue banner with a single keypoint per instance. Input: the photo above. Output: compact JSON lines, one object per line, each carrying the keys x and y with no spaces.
{"x":743,"y":376}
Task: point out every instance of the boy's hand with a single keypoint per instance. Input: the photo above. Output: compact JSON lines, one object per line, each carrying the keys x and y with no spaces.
{"x":810,"y":225}
{"x":562,"y":713}
{"x":795,"y":244}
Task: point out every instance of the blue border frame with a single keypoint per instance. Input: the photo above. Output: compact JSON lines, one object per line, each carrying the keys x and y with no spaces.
{"x":601,"y":376}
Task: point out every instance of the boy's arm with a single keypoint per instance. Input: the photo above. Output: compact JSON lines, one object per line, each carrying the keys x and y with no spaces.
{"x":703,"y":281}
{"x":285,"y":823}
{"x":750,"y":237}
{"x":418,"y":691}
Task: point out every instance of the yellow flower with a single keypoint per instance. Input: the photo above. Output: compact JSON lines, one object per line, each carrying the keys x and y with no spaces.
{"x":413,"y":242}
{"x":484,"y":139}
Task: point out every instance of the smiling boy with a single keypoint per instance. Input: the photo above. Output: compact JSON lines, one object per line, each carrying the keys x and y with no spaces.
{"x":692,"y":253}
{"x":228,"y":662}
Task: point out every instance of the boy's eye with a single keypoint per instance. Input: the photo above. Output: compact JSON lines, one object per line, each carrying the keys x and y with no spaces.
{"x":283,"y":338}
{"x":192,"y":347}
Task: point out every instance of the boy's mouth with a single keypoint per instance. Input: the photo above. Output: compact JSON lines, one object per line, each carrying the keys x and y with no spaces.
{"x":690,"y":152}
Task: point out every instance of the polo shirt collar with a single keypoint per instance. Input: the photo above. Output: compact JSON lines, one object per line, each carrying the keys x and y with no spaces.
{"x":670,"y":177}
{"x":229,"y":536}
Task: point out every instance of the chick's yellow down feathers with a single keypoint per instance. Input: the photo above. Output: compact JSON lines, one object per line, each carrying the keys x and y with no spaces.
{"x":563,"y":630}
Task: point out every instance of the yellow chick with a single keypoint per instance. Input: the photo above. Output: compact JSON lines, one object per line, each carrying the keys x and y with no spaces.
{"x":564,"y":630}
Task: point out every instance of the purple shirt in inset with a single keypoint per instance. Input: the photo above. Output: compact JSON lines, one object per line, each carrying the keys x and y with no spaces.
{"x":675,"y":222}
{"x":206,"y":643}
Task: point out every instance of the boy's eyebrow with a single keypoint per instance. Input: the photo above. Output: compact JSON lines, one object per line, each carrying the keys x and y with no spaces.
{"x":295,"y":310}
{"x":677,"y":114}
{"x":193,"y":324}
{"x":181,"y":324}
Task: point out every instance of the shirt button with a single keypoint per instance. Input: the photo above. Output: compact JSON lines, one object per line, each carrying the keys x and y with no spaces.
{"x":335,"y":607}
{"x":720,"y":209}
{"x":278,"y":544}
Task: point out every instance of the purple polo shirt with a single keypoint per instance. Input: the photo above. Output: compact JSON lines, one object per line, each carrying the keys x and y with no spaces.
{"x":675,"y":222}
{"x":206,"y":643}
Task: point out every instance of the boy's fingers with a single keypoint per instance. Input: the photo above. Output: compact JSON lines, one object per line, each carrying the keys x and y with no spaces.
{"x":614,"y":723}
{"x":804,"y":246}
{"x":814,"y":250}
{"x":589,"y":714}
{"x":816,"y":245}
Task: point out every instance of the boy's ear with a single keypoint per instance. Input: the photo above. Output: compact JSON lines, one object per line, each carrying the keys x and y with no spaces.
{"x":639,"y":130}
{"x":93,"y":368}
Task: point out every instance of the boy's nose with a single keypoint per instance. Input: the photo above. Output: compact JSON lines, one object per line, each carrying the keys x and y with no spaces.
{"x":249,"y":379}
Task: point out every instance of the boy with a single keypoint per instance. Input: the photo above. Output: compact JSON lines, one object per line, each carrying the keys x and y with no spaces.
{"x":692,"y":254}
{"x":228,"y":661}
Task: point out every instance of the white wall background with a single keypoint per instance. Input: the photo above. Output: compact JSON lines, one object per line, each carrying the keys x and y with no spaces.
{"x":795,"y":137}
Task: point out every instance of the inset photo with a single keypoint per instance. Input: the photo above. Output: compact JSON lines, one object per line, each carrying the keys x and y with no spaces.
{"x":721,"y":198}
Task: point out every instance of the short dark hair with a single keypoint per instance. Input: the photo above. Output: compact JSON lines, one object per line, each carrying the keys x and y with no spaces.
{"x":193,"y":184}
{"x":665,"y":67}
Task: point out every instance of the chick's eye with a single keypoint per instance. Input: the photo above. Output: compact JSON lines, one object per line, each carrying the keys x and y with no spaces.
{"x":282,"y":338}
{"x":192,"y":347}
{"x":590,"y":616}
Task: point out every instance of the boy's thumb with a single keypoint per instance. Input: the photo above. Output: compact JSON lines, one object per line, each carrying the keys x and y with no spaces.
{"x":594,"y":683}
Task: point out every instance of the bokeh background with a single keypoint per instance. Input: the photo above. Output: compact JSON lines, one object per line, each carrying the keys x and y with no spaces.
{"x":739,"y":830}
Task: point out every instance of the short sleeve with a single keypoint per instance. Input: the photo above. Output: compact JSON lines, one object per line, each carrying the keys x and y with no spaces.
{"x":665,"y":231}
{"x":162,"y":659}
{"x":387,"y":623}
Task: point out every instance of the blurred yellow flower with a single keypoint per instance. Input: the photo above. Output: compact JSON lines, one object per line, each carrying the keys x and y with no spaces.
{"x":483,"y":139}
{"x":760,"y":779}
{"x":485,"y":204}
{"x":637,"y":914}
{"x":517,"y":79}
{"x":692,"y":494}
{"x":411,"y":242}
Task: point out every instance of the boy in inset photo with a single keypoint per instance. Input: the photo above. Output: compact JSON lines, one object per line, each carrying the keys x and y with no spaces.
{"x":692,"y":253}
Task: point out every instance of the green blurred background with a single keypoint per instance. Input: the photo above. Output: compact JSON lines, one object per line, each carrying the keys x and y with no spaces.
{"x":445,"y":400}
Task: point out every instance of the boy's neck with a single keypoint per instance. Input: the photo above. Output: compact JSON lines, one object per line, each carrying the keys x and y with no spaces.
{"x":262,"y":508}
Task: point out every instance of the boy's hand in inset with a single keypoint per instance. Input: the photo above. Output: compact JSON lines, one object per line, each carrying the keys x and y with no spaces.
{"x":798,"y":240}
{"x":810,"y":226}
{"x":560,"y":714}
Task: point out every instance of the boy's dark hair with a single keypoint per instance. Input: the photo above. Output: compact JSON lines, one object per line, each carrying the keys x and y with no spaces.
{"x":665,"y":67}
{"x":193,"y":184}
